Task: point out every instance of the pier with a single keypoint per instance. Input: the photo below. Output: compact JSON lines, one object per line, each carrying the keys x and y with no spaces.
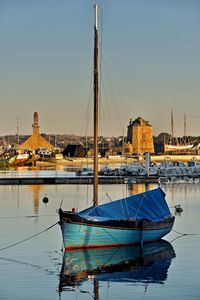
{"x":169,"y":174}
{"x":48,"y":177}
{"x":56,"y":179}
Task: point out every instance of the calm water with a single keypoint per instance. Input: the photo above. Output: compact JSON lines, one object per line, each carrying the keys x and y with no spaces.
{"x":32,"y":270}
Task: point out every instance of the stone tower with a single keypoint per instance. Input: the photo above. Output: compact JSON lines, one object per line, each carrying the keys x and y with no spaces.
{"x":140,"y":136}
{"x":35,"y":141}
{"x":35,"y":122}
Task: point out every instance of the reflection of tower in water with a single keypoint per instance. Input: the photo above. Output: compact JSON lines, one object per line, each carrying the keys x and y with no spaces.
{"x":36,"y":196}
{"x":137,"y":188}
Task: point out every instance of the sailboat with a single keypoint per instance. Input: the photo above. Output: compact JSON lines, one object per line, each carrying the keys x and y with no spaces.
{"x":173,"y":144}
{"x":133,"y":220}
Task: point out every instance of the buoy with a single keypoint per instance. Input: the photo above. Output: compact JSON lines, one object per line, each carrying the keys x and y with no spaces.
{"x":178,"y":208}
{"x":45,"y":199}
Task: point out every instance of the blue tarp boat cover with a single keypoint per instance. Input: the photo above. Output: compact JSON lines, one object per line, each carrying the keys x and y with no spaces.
{"x":150,"y":205}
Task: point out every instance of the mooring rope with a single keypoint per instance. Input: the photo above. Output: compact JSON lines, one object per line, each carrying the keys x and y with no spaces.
{"x":181,"y":233}
{"x":28,"y":238}
{"x":26,"y":217}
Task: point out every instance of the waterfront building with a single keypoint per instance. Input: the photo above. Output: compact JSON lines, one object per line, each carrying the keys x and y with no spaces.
{"x":35,"y":141}
{"x":140,"y":136}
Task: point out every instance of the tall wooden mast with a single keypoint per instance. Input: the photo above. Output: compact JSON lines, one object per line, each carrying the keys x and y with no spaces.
{"x":96,"y":107}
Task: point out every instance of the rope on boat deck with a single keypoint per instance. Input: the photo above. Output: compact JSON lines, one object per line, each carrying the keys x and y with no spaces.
{"x":28,"y":238}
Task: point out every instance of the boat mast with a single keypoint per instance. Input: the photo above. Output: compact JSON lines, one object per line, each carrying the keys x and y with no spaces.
{"x":96,"y":107}
{"x":172,"y":126}
{"x":185,"y":129}
{"x":17,"y":131}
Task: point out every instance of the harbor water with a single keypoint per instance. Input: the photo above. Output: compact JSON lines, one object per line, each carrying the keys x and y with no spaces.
{"x":33,"y":269}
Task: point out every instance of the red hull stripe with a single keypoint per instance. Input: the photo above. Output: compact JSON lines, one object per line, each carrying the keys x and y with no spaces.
{"x":76,"y":247}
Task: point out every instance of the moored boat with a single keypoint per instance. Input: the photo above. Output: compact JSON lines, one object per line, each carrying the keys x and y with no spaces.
{"x":136,"y":219}
{"x":133,"y":220}
{"x":19,"y":159}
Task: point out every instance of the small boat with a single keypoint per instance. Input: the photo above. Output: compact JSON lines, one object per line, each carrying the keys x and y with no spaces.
{"x":137,"y":219}
{"x":133,"y":220}
{"x":85,"y":172}
{"x":117,"y":264}
{"x":19,"y":159}
{"x":44,"y":154}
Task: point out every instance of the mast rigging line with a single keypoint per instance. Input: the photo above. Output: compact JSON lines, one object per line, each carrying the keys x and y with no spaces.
{"x":112,"y":92}
{"x":87,"y":115}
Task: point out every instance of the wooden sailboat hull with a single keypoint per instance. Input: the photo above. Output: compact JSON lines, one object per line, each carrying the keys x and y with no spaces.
{"x":80,"y":235}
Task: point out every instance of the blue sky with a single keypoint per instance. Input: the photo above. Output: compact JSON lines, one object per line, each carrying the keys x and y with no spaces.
{"x":151,"y":63}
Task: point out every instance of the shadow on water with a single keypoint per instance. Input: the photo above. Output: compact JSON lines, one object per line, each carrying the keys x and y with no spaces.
{"x":132,"y":264}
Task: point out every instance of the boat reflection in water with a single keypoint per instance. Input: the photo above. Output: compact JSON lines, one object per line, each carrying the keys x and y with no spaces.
{"x":149,"y":264}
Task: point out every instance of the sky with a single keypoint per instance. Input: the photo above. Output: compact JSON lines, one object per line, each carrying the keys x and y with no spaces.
{"x":150,"y":64}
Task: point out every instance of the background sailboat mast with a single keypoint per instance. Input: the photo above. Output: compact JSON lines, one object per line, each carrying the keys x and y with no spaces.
{"x":96,"y":107}
{"x":172,"y":126}
{"x":185,"y":129}
{"x":17,"y":131}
